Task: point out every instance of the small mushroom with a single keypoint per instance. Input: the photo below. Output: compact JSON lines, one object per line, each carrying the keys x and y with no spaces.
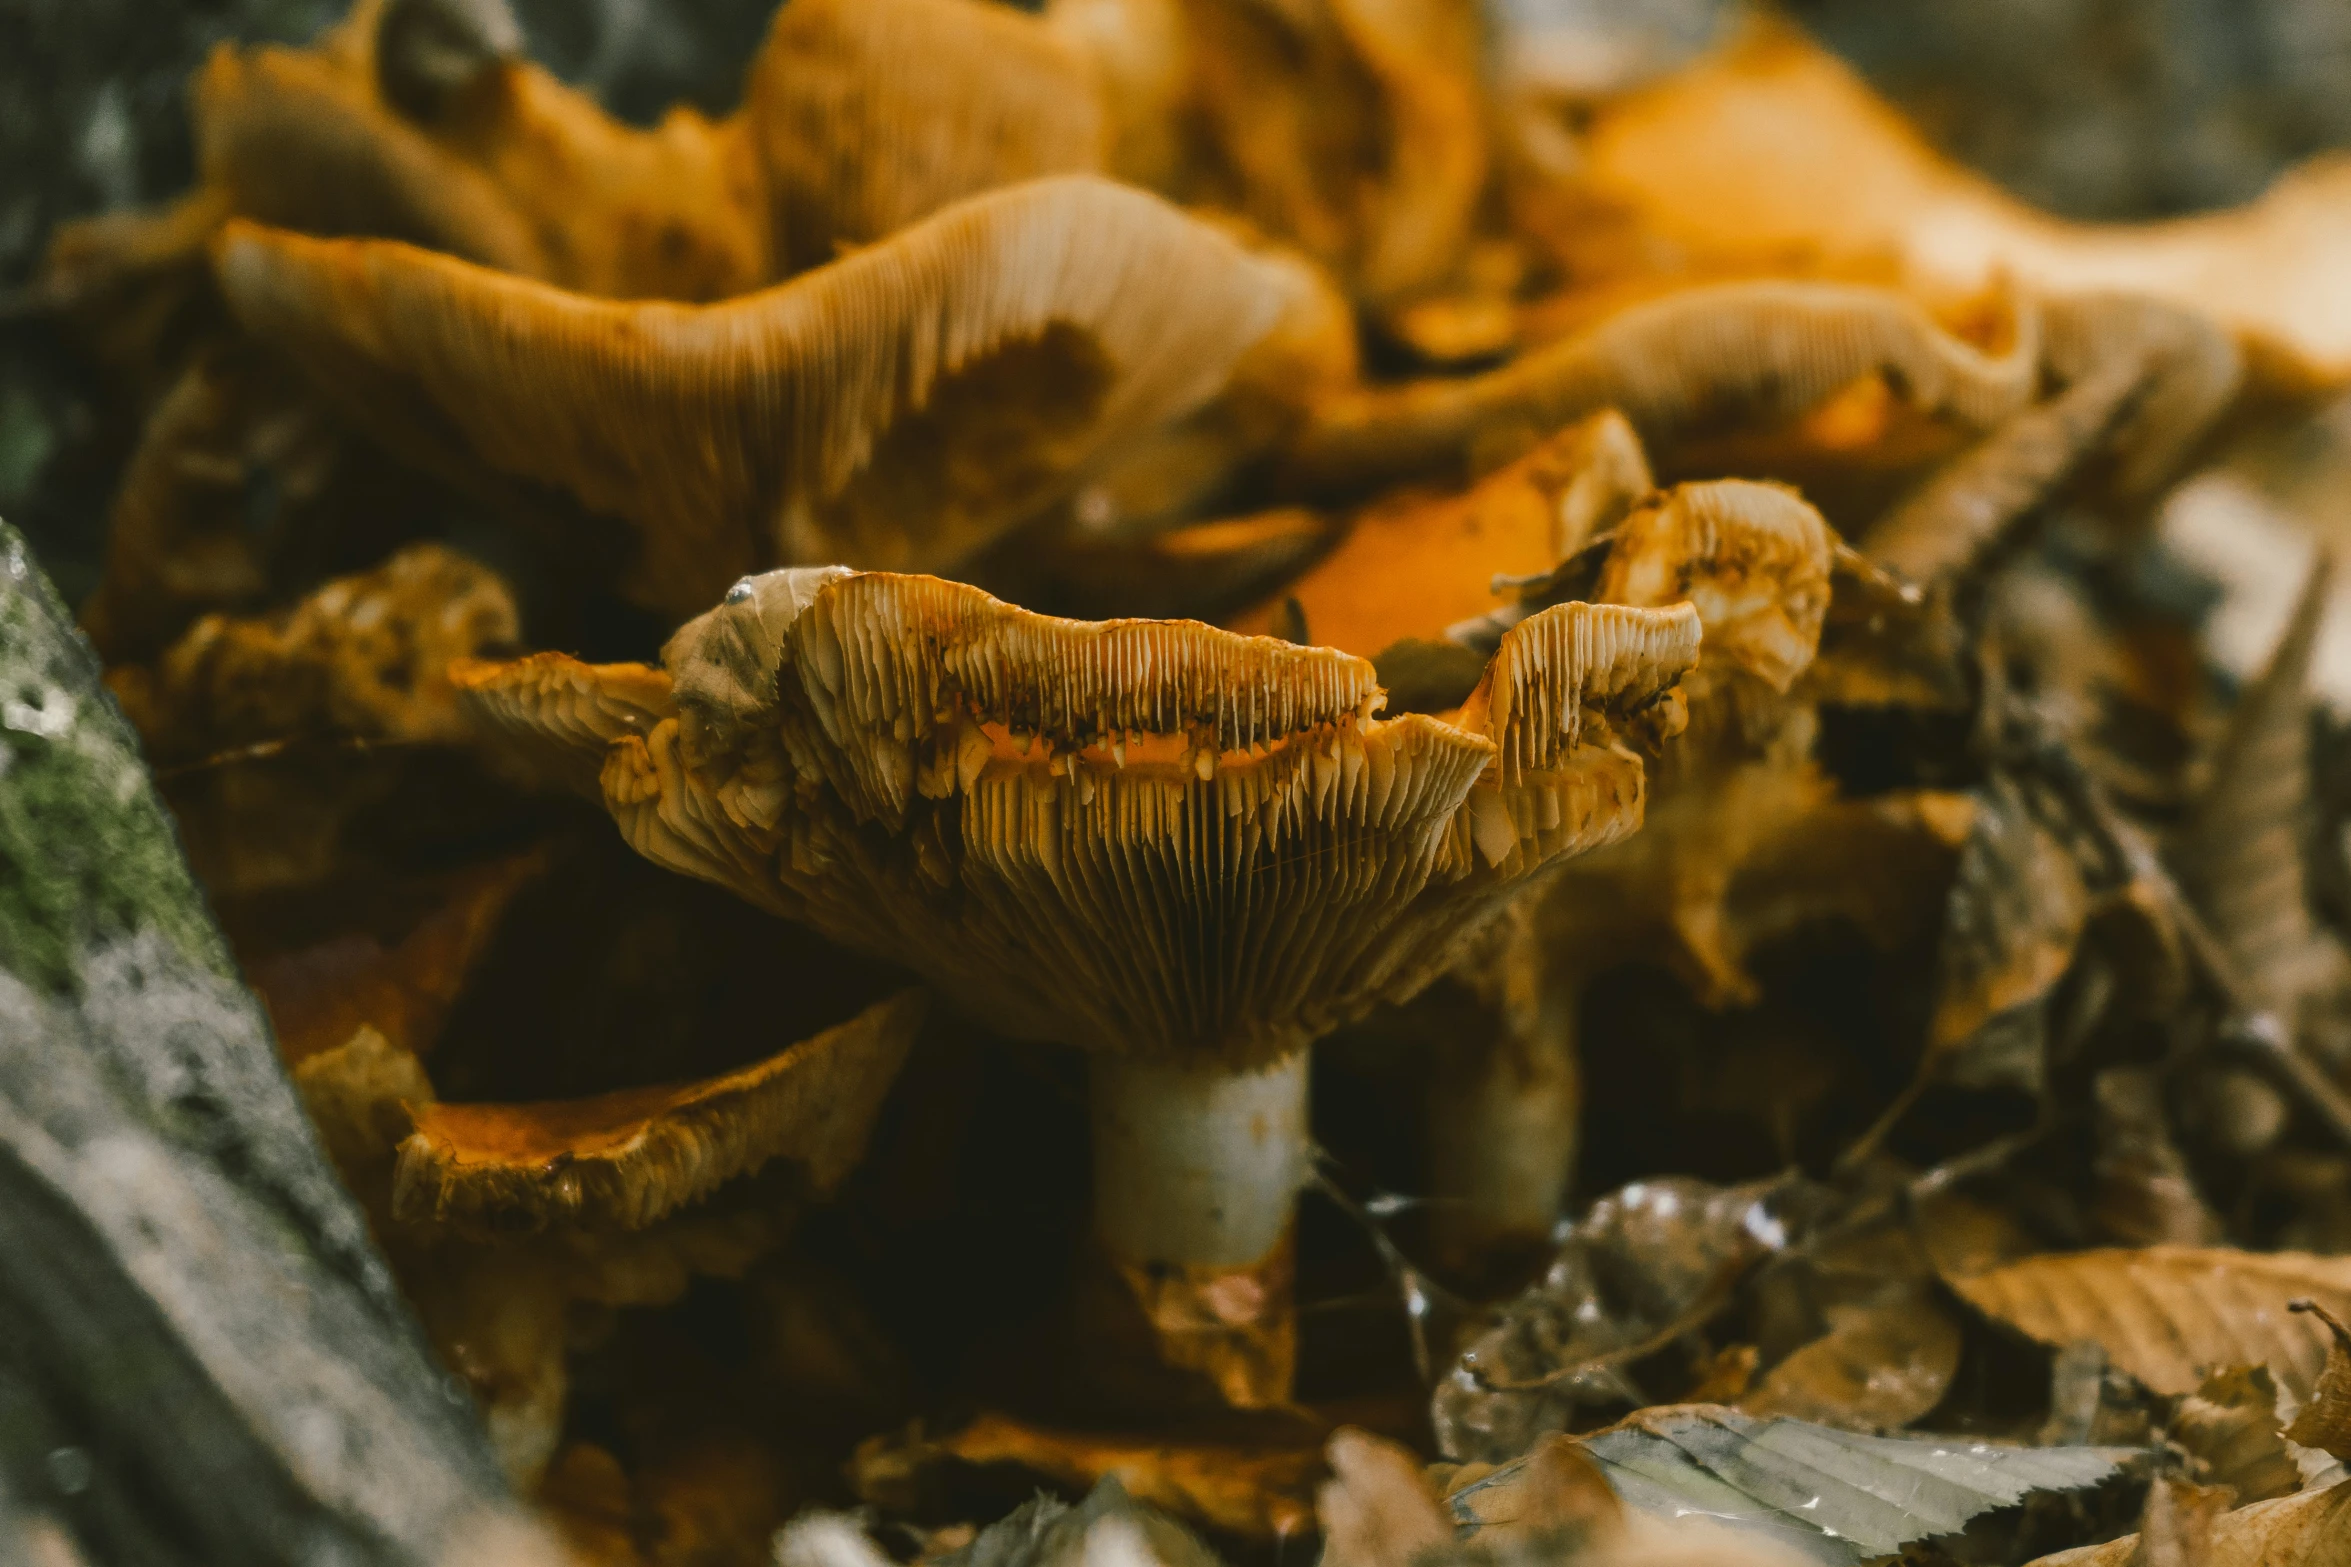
{"x":905,"y":405}
{"x":1753,"y":561}
{"x":1185,"y":852}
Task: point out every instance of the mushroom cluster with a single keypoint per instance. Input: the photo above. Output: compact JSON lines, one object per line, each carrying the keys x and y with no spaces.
{"x":1052,"y":754}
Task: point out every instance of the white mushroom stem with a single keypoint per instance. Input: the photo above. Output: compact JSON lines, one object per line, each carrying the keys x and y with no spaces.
{"x":1505,"y":1122}
{"x":1195,"y":1167}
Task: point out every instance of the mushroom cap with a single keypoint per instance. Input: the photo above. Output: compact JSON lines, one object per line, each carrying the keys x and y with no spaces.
{"x":1774,"y":150}
{"x":869,"y":115}
{"x":901,"y":406}
{"x":624,"y":1160}
{"x":1126,"y":835}
{"x":1673,"y":365}
{"x":1414,"y":564}
{"x":1353,"y":130}
{"x":1753,"y":559}
{"x":366,"y":655}
{"x":525,"y":174}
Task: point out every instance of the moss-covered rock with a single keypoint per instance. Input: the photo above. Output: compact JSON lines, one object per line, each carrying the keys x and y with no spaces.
{"x":87,"y":855}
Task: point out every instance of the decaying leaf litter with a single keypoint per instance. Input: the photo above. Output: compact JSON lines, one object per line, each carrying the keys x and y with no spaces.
{"x":1671,"y":945}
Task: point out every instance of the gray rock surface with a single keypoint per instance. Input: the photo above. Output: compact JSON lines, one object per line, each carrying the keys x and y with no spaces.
{"x":202,"y":1355}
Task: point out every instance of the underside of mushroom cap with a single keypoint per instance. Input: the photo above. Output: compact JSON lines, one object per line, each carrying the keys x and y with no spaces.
{"x":547,"y":718}
{"x":901,"y":406}
{"x":1672,"y":364}
{"x":620,"y":1161}
{"x":1134,"y":835}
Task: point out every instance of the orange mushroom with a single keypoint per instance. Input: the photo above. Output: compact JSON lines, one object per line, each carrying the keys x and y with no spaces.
{"x":903,"y":406}
{"x":1185,"y":852}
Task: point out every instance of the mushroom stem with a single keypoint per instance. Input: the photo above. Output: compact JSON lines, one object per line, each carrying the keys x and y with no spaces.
{"x":1196,"y":1179}
{"x":1505,"y":1117}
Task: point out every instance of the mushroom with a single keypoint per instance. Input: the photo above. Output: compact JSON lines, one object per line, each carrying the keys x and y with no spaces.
{"x":365,"y":657}
{"x":869,"y":115}
{"x":1186,"y":852}
{"x":415,"y":120}
{"x":1352,"y":131}
{"x":1672,"y":365}
{"x":1753,"y":561}
{"x":903,"y":406}
{"x":1772,"y":156}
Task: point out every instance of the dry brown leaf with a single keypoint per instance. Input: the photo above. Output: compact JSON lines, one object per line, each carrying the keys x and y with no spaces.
{"x":2230,"y":1426}
{"x":2324,"y":1422}
{"x":2312,"y":1529}
{"x":1554,"y":1500}
{"x":1376,"y":1510}
{"x":2168,"y":1314}
{"x":1260,"y":1492}
{"x":1878,"y":1368}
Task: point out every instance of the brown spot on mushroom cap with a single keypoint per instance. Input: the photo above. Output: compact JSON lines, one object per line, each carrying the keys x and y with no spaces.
{"x":1674,"y":364}
{"x":623,"y":1160}
{"x":1134,"y":835}
{"x":871,"y":114}
{"x":738,"y":434}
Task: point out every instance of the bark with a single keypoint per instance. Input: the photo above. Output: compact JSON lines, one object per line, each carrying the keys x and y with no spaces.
{"x":202,"y":1355}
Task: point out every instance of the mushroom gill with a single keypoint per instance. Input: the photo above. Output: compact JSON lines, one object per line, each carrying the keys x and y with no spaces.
{"x":902,"y":406}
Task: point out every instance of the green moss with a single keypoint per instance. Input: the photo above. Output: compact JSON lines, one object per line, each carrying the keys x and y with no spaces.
{"x":87,"y":854}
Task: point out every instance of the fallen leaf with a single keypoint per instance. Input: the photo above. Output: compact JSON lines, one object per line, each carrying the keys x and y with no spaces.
{"x":1375,"y":1509}
{"x":1555,"y":1498}
{"x":2310,"y":1529}
{"x":2166,"y":1314}
{"x":1645,"y":1266}
{"x":1833,"y":1496}
{"x":2325,"y":1421}
{"x":2230,"y":1426}
{"x":1108,"y":1529}
{"x":1878,"y":1368}
{"x":1260,"y":1492}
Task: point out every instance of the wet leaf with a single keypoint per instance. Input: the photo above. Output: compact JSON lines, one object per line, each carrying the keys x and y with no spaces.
{"x":1830,"y":1496}
{"x":2166,"y":1314}
{"x":1643,"y":1267}
{"x":1108,"y":1529}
